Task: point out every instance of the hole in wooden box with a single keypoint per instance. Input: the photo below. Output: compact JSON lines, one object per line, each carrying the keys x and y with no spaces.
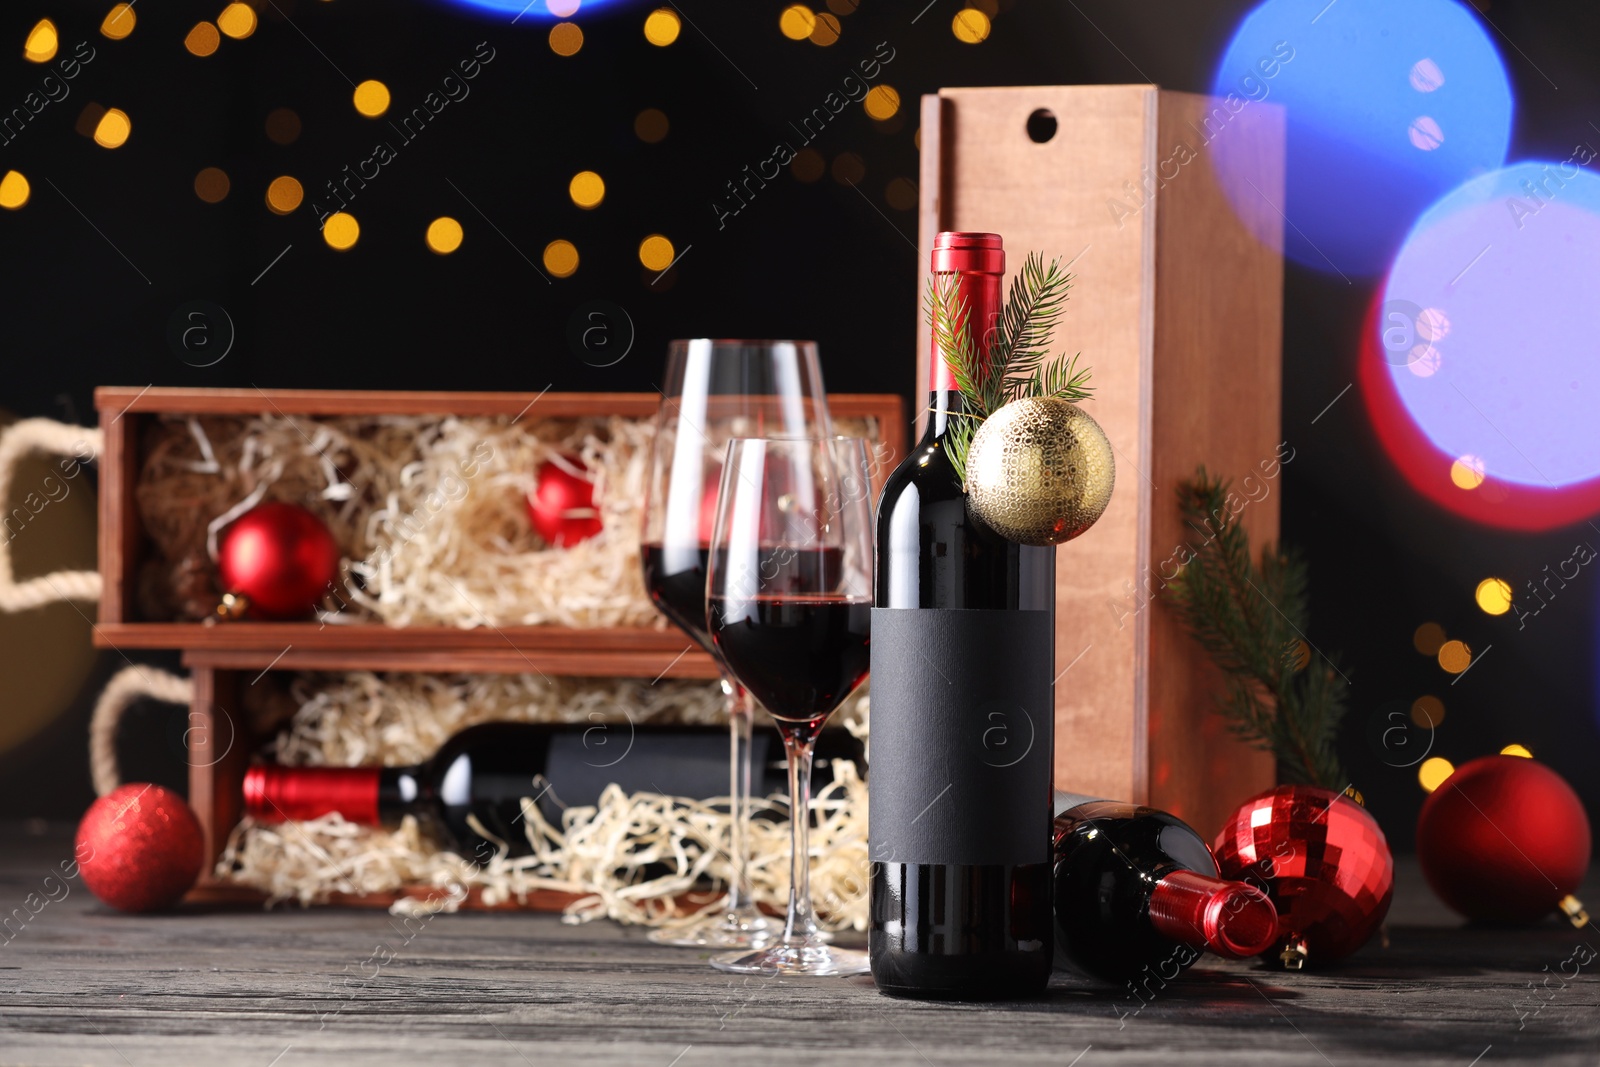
{"x":1041,"y":125}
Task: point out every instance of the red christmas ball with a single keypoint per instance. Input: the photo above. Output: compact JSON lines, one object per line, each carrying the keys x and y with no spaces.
{"x":1322,"y":860}
{"x":139,"y":848}
{"x":280,"y":558}
{"x":561,"y":505}
{"x":1504,"y":839}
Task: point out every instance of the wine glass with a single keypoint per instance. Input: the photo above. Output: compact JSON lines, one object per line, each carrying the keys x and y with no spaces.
{"x":714,"y":391}
{"x":789,"y":609}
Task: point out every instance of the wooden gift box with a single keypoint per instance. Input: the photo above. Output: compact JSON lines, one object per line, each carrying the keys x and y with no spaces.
{"x":224,"y":659}
{"x":1178,"y":310}
{"x":221,"y":745}
{"x":616,"y":651}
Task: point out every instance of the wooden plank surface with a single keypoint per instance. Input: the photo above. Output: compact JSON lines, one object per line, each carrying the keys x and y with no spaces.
{"x":216,"y":987}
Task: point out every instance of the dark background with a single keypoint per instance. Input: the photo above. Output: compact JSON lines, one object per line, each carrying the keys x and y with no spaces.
{"x":88,"y":286}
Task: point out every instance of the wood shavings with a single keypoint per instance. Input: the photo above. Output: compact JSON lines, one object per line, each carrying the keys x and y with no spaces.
{"x":627,"y":858}
{"x":429,"y":513}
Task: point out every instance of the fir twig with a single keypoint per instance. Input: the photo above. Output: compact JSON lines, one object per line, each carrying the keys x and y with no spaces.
{"x":1016,"y":364}
{"x":1282,"y":695}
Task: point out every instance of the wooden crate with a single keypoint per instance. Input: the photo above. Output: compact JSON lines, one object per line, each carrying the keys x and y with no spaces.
{"x":618,"y":651}
{"x":220,"y":745}
{"x":1178,"y":309}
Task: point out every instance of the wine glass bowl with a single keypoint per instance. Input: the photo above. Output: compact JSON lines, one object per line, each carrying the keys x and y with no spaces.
{"x":789,"y":611}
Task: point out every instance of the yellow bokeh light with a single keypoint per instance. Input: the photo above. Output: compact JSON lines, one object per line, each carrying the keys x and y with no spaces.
{"x":808,"y":165}
{"x":42,"y":43}
{"x":1428,"y":638}
{"x":1455,"y":656}
{"x":203,"y":39}
{"x":970,"y":26}
{"x":882,"y":102}
{"x":566,"y":38}
{"x":662,"y":26}
{"x":561,"y":258}
{"x":113,"y":129}
{"x":1494,"y":596}
{"x":119,"y":22}
{"x":1427,"y":711}
{"x":285,"y":194}
{"x":444,"y":235}
{"x":848,"y":168}
{"x":656,"y":252}
{"x":1433,"y":772}
{"x":237,"y":21}
{"x":797,"y":22}
{"x":901,"y":194}
{"x":283,"y":126}
{"x":587,"y":189}
{"x":14,"y":190}
{"x":341,"y":231}
{"x":1467,"y":472}
{"x":826,"y":31}
{"x":371,"y":98}
{"x":843,"y":7}
{"x":212,"y":185}
{"x":1517,"y":750}
{"x":651,"y":125}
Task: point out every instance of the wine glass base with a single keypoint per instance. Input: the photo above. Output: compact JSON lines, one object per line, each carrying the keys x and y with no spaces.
{"x":745,"y":928}
{"x":806,"y":959}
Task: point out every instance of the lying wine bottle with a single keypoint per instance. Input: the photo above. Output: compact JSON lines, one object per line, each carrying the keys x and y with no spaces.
{"x":480,"y":776}
{"x":963,"y":649}
{"x":1137,"y":894}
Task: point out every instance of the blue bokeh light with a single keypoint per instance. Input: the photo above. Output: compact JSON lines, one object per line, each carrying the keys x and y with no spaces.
{"x":1490,"y":322}
{"x":523,"y":11}
{"x":1389,"y":104}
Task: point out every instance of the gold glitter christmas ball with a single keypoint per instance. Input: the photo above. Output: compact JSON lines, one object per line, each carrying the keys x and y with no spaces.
{"x":1039,"y":471}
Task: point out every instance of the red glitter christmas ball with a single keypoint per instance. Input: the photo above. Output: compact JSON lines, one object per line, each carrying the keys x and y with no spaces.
{"x":1503,"y":839}
{"x":280,"y":558}
{"x":1322,"y":860}
{"x":561,"y":505}
{"x":139,"y":848}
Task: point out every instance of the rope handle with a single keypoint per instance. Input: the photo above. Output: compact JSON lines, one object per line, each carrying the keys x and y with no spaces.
{"x":83,"y":443}
{"x":133,"y":683}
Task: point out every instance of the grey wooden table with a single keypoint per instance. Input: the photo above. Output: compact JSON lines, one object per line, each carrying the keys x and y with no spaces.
{"x":80,"y":984}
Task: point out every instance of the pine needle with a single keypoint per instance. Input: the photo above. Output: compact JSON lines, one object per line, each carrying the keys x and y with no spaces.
{"x":1283,"y":696}
{"x":1017,"y":365}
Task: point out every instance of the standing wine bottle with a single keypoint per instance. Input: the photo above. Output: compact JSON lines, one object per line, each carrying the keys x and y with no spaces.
{"x":1137,"y":895}
{"x":963,"y":663}
{"x":475,"y":784}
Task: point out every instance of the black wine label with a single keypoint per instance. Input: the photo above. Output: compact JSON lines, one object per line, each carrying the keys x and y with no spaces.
{"x":962,"y":736}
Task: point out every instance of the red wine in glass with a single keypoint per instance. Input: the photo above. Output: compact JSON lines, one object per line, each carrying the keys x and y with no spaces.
{"x":675,"y":578}
{"x":799,"y":655}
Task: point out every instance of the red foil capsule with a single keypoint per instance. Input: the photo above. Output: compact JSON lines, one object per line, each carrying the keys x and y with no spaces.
{"x":276,"y":794}
{"x":978,"y":260}
{"x":1322,"y":860}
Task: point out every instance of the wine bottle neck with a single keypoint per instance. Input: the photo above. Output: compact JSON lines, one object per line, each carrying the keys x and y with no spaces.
{"x":1232,"y":919}
{"x":279,"y":794}
{"x":978,"y":295}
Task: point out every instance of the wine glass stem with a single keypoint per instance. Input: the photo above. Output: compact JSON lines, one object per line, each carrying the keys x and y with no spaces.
{"x":740,"y":716}
{"x":799,"y":739}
